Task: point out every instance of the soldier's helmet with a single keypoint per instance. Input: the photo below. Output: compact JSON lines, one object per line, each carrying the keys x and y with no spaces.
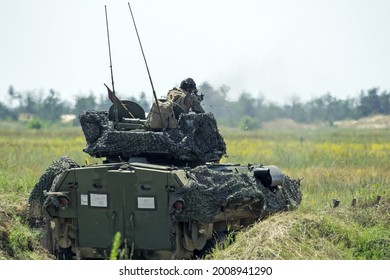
{"x":188,"y":85}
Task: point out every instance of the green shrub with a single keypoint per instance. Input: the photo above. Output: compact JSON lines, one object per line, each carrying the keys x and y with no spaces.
{"x":35,"y":123}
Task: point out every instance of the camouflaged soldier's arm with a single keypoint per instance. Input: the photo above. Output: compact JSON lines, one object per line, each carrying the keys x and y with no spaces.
{"x":195,"y":104}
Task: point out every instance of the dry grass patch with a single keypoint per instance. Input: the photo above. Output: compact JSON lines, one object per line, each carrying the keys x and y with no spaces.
{"x":281,"y":237}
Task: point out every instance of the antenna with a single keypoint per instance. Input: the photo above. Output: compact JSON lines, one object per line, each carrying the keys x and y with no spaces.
{"x":111,"y":94}
{"x":146,"y":64}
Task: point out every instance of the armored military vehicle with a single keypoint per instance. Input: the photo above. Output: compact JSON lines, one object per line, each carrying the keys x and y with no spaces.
{"x":166,"y":192}
{"x":163,"y":190}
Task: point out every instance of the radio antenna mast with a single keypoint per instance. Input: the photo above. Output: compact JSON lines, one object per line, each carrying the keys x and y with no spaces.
{"x":111,"y":94}
{"x":146,"y":64}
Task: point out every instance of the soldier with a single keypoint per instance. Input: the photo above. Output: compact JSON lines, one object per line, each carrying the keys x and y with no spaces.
{"x":186,"y":96}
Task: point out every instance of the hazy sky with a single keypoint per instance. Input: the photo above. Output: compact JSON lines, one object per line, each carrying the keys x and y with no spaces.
{"x":277,"y":48}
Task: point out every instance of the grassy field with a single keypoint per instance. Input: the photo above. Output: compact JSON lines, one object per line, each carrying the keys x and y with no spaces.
{"x":342,"y":164}
{"x":26,"y":154}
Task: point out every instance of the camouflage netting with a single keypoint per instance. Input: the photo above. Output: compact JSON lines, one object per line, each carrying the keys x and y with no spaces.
{"x":93,"y":124}
{"x":46,"y":181}
{"x":212,"y":192}
{"x":196,"y":138}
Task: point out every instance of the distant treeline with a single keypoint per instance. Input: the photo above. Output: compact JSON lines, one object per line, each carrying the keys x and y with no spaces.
{"x":247,"y":112}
